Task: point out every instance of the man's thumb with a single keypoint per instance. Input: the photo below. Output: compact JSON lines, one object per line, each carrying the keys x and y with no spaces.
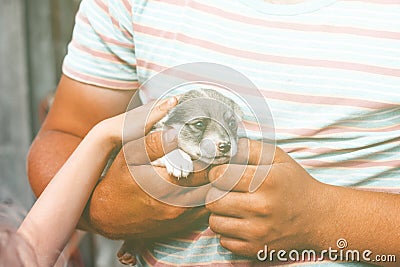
{"x":160,"y":143}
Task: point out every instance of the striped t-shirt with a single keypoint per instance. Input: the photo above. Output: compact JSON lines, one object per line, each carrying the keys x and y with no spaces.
{"x":329,"y":71}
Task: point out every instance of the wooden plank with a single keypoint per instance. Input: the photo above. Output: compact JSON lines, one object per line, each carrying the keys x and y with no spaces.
{"x":14,"y":104}
{"x":42,"y":65}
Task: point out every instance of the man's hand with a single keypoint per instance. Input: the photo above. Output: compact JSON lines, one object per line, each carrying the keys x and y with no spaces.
{"x":121,"y":209}
{"x":271,"y":215}
{"x":290,"y":210}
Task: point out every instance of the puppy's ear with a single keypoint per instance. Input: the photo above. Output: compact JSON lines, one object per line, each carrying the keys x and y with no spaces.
{"x":238,"y":111}
{"x":189,"y":95}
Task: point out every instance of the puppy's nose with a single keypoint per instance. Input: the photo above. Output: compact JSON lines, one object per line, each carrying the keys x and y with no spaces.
{"x":224,"y":146}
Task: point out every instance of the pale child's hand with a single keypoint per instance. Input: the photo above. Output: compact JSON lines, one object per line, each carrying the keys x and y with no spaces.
{"x":137,"y":122}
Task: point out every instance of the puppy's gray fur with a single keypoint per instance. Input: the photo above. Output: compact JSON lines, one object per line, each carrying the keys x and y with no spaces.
{"x":207,"y":122}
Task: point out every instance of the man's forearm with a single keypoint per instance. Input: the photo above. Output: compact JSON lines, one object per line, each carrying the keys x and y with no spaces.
{"x":366,"y":220}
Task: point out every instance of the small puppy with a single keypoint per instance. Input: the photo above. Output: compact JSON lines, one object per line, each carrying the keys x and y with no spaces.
{"x":207,"y":124}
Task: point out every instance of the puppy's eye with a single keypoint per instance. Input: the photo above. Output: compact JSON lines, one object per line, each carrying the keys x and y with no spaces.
{"x":199,"y":125}
{"x":232,"y":124}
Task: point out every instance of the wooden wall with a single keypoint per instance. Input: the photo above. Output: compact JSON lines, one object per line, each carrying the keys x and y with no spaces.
{"x":33,"y":42}
{"x":15,"y":132}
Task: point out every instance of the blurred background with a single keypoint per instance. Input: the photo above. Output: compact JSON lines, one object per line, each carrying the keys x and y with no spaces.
{"x":33,"y":41}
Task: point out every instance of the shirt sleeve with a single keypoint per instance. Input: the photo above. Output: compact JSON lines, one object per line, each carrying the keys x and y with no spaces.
{"x":102,"y":50}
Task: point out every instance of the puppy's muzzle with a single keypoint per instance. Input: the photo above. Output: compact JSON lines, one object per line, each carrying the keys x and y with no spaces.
{"x":224,"y":147}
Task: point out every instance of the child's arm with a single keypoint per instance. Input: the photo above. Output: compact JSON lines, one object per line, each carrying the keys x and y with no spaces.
{"x":54,"y":216}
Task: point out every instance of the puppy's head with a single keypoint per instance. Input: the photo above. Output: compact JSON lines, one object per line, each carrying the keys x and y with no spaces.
{"x":207,"y":122}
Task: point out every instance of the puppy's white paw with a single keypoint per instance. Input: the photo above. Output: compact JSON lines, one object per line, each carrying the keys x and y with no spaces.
{"x":177,"y":162}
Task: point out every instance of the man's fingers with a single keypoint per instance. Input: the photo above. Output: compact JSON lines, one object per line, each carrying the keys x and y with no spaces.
{"x":227,"y":226}
{"x":246,"y":204}
{"x":151,"y":147}
{"x":160,"y":143}
{"x":217,"y":201}
{"x":236,"y":246}
{"x":255,"y":152}
{"x":240,"y":178}
{"x":157,"y":183}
